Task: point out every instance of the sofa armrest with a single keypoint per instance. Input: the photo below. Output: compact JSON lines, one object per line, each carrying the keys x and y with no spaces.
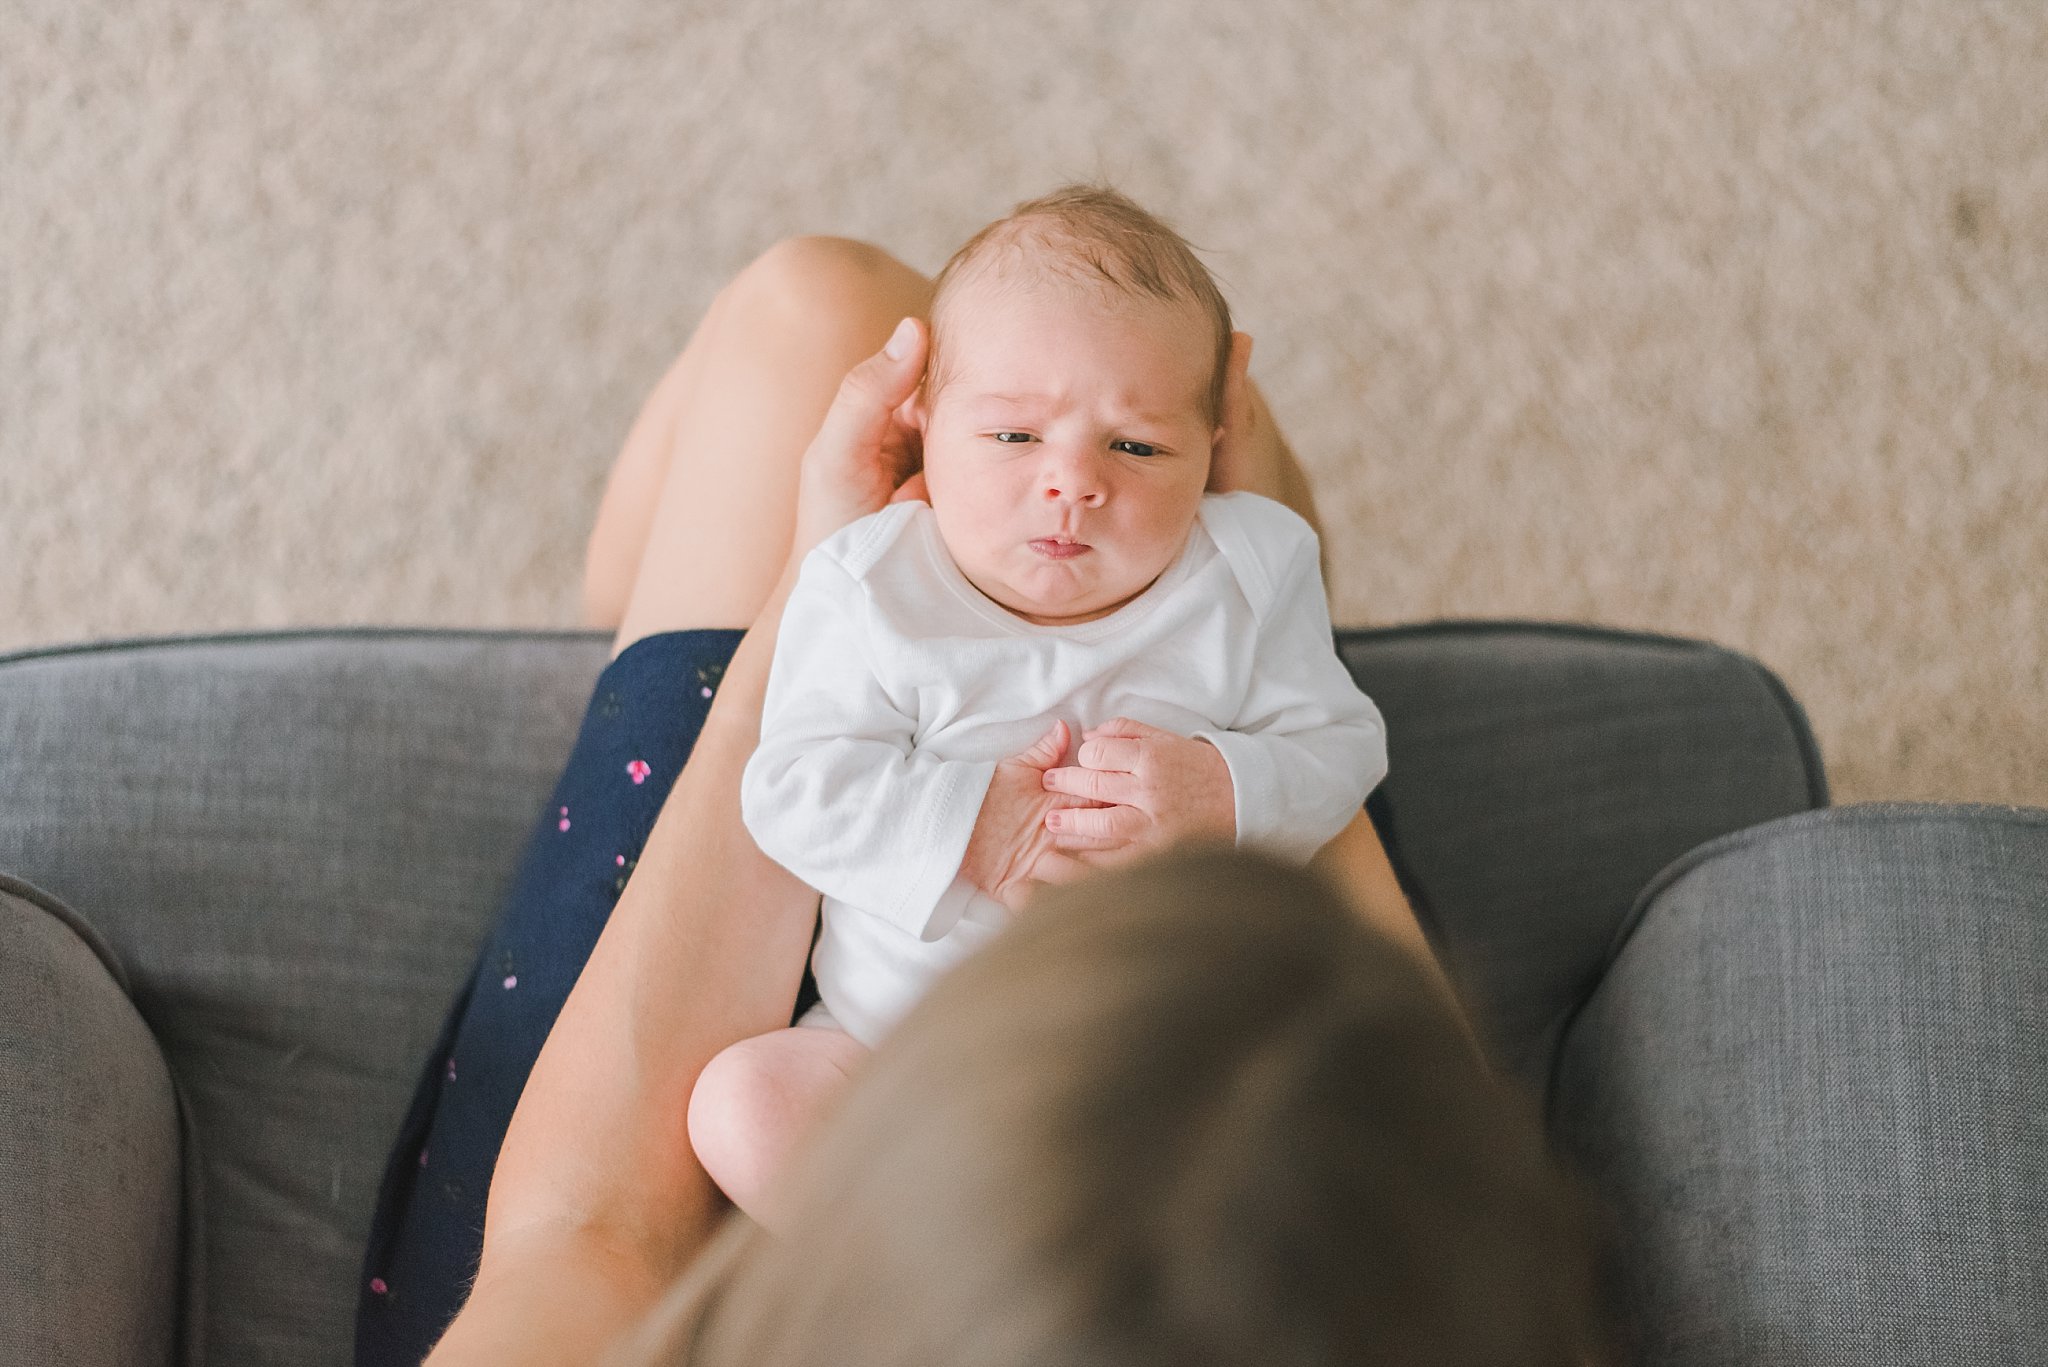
{"x":1812,"y":1088}
{"x":89,"y":1152}
{"x":1542,"y":773}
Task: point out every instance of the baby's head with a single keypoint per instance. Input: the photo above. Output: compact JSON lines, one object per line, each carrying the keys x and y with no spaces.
{"x":1075,"y":390}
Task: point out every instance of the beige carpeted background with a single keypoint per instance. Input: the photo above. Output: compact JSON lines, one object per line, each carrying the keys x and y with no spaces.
{"x":1719,"y":319}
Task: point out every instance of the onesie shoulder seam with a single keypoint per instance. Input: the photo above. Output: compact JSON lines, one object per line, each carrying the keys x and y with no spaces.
{"x":1249,"y":528}
{"x":860,"y":545}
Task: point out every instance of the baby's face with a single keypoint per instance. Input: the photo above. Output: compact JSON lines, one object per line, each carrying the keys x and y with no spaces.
{"x":1068,"y":421}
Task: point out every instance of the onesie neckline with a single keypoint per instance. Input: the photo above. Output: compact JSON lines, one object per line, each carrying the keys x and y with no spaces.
{"x":1121,"y":620}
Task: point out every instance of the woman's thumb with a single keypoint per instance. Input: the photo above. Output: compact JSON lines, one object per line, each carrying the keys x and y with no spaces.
{"x":876,"y":387}
{"x":890,"y":375}
{"x":901,"y":340}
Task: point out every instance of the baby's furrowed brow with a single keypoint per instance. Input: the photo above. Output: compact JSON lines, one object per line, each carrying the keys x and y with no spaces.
{"x":1014,"y":401}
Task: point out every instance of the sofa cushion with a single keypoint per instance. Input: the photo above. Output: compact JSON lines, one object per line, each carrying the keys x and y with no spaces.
{"x":89,"y":1151}
{"x":1540,"y":774}
{"x":1812,"y":1088}
{"x":295,"y":842}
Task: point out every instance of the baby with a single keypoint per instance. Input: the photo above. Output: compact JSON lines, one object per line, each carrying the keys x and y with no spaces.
{"x":1069,"y":579}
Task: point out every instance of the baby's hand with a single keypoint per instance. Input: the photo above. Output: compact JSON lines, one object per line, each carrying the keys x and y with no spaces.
{"x":1160,"y":789}
{"x":1011,"y":850}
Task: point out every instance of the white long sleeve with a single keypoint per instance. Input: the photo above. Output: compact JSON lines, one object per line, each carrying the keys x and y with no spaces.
{"x":835,"y":792}
{"x":1306,"y":747}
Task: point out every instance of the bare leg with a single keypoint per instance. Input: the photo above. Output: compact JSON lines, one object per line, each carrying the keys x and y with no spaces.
{"x":725,"y":430}
{"x":625,"y":516}
{"x":598,"y":1200}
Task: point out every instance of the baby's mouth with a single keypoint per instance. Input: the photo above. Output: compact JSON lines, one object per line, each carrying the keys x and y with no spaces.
{"x":1056,"y":548}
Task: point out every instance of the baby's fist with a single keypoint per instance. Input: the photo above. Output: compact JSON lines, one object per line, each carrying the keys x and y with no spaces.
{"x":1160,"y":789}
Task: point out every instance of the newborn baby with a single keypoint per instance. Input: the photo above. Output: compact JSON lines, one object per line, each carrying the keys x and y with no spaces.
{"x":1070,"y":580}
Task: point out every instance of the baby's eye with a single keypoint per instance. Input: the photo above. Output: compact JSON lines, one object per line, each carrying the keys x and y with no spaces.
{"x":1004,"y":436}
{"x":1147,"y":450}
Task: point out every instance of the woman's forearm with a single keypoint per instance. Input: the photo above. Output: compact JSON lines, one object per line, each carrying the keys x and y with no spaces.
{"x":559,"y":1299}
{"x":597,"y":1186}
{"x":1357,"y":861}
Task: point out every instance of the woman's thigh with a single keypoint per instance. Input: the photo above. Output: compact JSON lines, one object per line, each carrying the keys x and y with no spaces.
{"x":749,"y":394}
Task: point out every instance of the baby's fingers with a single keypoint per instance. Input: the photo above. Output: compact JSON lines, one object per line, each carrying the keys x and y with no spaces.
{"x":1074,"y":844}
{"x":1097,"y":785}
{"x":1116,"y":824}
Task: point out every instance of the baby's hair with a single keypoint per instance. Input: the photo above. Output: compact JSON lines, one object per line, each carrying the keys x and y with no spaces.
{"x":1093,"y":235}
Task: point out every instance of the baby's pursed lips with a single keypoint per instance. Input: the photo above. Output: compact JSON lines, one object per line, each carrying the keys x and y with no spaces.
{"x":1059,"y":547}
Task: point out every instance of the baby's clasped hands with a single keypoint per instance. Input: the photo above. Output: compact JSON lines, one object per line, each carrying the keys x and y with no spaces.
{"x":1161,"y":789}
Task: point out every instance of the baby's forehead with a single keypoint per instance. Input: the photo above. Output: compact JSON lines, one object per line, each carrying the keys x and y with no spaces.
{"x":983,"y":385}
{"x":973,"y":317}
{"x":996,"y":292}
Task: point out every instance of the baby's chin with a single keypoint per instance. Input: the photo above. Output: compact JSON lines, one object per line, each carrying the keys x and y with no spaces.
{"x":1064,"y":620}
{"x":1055,"y":609}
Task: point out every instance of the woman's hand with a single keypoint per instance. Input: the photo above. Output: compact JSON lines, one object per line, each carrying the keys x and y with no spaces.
{"x":1157,"y":788}
{"x":865,"y":450}
{"x":1241,"y":457}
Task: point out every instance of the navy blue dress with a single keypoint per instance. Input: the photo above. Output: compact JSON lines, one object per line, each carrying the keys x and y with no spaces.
{"x":425,"y":1237}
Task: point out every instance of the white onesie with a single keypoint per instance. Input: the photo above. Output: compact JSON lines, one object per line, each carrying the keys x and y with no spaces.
{"x":896,"y":685}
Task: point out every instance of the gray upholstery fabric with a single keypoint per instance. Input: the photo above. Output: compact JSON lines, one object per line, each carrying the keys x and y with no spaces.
{"x":1814,"y":1088}
{"x":1540,"y":775}
{"x":296,"y":840}
{"x":89,"y":1153}
{"x":295,"y":843}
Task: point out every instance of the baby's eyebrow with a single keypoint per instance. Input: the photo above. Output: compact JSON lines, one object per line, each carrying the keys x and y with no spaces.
{"x":1034,"y":400}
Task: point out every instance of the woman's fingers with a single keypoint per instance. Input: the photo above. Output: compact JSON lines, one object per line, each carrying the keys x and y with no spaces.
{"x":1067,"y":865}
{"x":872,"y":391}
{"x":1058,"y":866}
{"x":1227,"y":456}
{"x":912,"y":488}
{"x":861,"y":455}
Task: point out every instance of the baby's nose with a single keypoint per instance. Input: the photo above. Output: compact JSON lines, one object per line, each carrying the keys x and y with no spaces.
{"x":1075,"y":479}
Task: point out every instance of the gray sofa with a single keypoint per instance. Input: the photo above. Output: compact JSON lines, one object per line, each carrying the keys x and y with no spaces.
{"x":1797,"y":1050}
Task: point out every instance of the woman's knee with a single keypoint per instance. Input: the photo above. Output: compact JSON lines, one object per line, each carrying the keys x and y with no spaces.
{"x":814,"y":278}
